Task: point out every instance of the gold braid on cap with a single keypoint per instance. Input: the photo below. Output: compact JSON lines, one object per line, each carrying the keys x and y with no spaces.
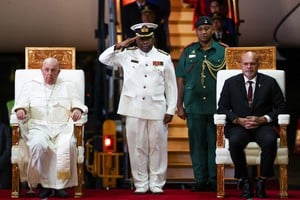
{"x":148,"y":35}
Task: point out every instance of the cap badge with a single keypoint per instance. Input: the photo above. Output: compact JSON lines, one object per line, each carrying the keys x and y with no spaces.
{"x":144,"y":29}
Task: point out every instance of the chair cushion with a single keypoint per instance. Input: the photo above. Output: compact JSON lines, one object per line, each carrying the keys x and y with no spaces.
{"x":252,"y":154}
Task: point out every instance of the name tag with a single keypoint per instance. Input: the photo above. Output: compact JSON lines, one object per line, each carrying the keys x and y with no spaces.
{"x":135,"y":61}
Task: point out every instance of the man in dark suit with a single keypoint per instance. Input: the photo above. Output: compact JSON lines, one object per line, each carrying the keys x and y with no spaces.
{"x":221,"y":34}
{"x":132,"y":15}
{"x":251,"y":118}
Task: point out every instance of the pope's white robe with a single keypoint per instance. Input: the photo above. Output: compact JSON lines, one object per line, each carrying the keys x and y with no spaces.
{"x":48,"y":134}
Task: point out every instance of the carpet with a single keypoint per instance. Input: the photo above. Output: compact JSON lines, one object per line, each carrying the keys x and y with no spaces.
{"x":169,"y":194}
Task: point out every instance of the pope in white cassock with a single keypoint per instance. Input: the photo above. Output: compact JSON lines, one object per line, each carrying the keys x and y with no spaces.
{"x":48,"y":107}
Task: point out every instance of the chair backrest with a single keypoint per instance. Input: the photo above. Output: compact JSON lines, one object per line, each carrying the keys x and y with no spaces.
{"x":222,"y":75}
{"x":34,"y":56}
{"x":267,"y":56}
{"x":76,"y":76}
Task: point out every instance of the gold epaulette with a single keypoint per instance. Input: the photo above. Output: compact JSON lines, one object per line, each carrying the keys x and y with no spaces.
{"x":163,"y":52}
{"x":132,"y":48}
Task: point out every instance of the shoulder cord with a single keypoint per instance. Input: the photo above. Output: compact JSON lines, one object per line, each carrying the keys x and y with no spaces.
{"x":211,"y":68}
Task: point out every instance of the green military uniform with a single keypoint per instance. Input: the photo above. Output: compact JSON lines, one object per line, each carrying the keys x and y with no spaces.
{"x":198,"y":68}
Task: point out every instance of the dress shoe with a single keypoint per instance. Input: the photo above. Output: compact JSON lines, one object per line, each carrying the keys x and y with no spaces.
{"x":45,"y":192}
{"x":141,"y":190}
{"x":61,"y":193}
{"x":212,"y":186}
{"x":247,"y":189}
{"x":199,"y":187}
{"x":156,"y":190}
{"x":260,"y":191}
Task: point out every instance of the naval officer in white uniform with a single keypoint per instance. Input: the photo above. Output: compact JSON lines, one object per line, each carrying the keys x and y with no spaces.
{"x":148,"y":101}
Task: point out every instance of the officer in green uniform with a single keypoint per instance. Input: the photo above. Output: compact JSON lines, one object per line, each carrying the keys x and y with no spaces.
{"x":196,"y":82}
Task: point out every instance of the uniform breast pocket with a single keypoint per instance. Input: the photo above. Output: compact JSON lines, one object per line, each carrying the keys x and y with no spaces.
{"x":190,"y":64}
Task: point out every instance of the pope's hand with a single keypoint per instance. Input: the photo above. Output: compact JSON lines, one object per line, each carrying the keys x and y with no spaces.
{"x":21,"y":114}
{"x":76,"y":114}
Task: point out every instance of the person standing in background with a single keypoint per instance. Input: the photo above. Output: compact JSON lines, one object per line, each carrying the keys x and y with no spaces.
{"x":220,"y":33}
{"x":132,"y":15}
{"x":196,"y":82}
{"x":165,"y":11}
{"x":148,"y":16}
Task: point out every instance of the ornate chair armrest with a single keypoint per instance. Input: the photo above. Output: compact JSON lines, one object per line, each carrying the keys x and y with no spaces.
{"x":220,"y":120}
{"x":13,"y":119}
{"x":283,"y":121}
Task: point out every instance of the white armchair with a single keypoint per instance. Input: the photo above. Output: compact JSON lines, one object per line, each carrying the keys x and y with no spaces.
{"x":19,"y":148}
{"x":223,"y":158}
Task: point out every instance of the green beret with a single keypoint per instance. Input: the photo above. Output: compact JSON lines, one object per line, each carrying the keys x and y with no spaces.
{"x":203,"y":20}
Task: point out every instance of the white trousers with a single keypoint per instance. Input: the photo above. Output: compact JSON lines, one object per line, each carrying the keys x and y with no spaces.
{"x":147,"y":144}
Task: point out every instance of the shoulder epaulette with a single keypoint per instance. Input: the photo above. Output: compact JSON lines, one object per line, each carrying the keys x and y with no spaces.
{"x":132,"y":48}
{"x":223,"y":44}
{"x":163,"y":52}
{"x":189,"y":45}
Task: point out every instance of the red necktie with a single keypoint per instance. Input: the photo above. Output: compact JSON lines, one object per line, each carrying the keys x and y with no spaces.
{"x":250,"y":91}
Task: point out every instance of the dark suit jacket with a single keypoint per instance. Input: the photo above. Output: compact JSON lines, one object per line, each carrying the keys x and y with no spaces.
{"x":268,"y":99}
{"x":227,"y":38}
{"x":131,"y":15}
{"x":5,"y":152}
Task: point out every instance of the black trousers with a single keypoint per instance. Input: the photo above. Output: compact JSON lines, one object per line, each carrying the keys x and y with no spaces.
{"x":265,"y":136}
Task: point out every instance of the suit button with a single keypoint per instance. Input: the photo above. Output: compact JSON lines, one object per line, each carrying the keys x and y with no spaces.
{"x":143,"y":98}
{"x":144,"y":87}
{"x":204,"y":98}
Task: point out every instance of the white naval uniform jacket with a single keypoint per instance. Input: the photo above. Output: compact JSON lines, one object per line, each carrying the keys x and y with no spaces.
{"x":149,"y":88}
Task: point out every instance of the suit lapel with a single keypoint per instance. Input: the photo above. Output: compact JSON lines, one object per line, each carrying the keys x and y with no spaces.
{"x":258,"y":89}
{"x":242,"y":88}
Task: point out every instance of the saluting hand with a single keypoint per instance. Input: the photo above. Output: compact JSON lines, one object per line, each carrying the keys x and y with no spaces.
{"x":125,"y":43}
